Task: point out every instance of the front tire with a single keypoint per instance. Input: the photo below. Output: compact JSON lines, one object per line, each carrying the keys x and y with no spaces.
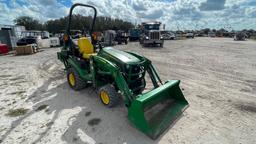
{"x":74,"y":80}
{"x":108,"y":95}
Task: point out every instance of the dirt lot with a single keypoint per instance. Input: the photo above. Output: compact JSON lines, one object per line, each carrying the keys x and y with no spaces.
{"x":218,"y":78}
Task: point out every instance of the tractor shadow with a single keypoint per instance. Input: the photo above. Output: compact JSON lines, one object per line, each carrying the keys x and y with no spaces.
{"x":94,"y":123}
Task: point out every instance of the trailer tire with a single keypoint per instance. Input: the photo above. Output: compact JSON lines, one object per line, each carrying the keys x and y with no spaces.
{"x":74,"y":80}
{"x":108,"y":95}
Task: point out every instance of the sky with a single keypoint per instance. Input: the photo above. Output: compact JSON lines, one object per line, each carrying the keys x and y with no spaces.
{"x":175,"y":14}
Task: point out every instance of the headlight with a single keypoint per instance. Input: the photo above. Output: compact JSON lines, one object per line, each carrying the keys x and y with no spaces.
{"x":161,"y":37}
{"x":147,"y":37}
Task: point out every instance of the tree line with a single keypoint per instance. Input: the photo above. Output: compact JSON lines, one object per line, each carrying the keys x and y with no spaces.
{"x":79,"y":22}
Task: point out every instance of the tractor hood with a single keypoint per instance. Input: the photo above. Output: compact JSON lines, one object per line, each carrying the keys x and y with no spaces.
{"x":117,"y":55}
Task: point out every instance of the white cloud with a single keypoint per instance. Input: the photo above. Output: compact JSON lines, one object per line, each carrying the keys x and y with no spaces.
{"x":179,"y":14}
{"x":41,"y":10}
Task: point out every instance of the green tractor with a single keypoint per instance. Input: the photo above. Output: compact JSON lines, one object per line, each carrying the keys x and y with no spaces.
{"x":114,"y":73}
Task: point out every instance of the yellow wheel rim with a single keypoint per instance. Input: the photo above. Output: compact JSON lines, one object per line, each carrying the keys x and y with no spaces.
{"x":71,"y":78}
{"x":104,"y":97}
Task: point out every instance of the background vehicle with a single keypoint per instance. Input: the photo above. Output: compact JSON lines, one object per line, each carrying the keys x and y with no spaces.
{"x":26,"y":40}
{"x":121,"y":37}
{"x":3,"y":49}
{"x":134,"y":34}
{"x":240,"y":36}
{"x":211,"y":34}
{"x":151,"y":34}
{"x":41,"y":38}
{"x":189,"y":35}
{"x":30,"y":37}
{"x":168,"y":36}
{"x":109,"y":38}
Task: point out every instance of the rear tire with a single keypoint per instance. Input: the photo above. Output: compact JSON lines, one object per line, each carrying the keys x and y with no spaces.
{"x":74,"y":80}
{"x":108,"y":95}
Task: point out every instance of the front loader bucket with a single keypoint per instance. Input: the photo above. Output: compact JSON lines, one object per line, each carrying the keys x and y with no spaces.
{"x":155,"y":110}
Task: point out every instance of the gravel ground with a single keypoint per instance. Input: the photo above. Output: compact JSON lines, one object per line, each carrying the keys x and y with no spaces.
{"x":218,"y":78}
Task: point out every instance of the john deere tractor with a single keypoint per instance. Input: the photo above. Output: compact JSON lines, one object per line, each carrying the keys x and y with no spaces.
{"x":112,"y":71}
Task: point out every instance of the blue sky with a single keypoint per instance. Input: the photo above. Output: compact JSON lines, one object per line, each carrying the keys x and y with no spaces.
{"x":175,"y":14}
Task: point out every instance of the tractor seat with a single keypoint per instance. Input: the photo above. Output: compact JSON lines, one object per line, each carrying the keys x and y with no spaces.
{"x":85,"y":47}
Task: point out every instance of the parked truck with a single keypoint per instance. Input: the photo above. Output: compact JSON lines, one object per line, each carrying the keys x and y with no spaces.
{"x":121,"y":37}
{"x":150,"y":34}
{"x":134,"y":34}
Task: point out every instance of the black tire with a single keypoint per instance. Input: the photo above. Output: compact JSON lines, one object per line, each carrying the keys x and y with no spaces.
{"x":79,"y":83}
{"x":112,"y":94}
{"x":161,"y":45}
{"x":145,"y":44}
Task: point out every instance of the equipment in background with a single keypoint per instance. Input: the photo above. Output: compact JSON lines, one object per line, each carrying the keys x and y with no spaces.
{"x":41,"y":38}
{"x":134,"y":34}
{"x":189,"y":35}
{"x":30,"y":37}
{"x":3,"y":49}
{"x":10,"y":34}
{"x":121,"y":37}
{"x":211,"y":34}
{"x":114,"y":73}
{"x":240,"y":36}
{"x":109,"y":38}
{"x":168,"y":36}
{"x":49,"y":42}
{"x":151,"y":34}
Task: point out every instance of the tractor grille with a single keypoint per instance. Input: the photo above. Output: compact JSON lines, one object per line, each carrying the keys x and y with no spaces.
{"x":154,"y":35}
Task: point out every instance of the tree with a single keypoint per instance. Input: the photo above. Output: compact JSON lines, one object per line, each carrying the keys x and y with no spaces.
{"x":79,"y":22}
{"x":29,"y":23}
{"x":206,"y":30}
{"x":221,"y":32}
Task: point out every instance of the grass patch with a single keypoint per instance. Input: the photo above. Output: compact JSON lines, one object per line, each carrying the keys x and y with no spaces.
{"x":17,"y":112}
{"x":41,"y":107}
